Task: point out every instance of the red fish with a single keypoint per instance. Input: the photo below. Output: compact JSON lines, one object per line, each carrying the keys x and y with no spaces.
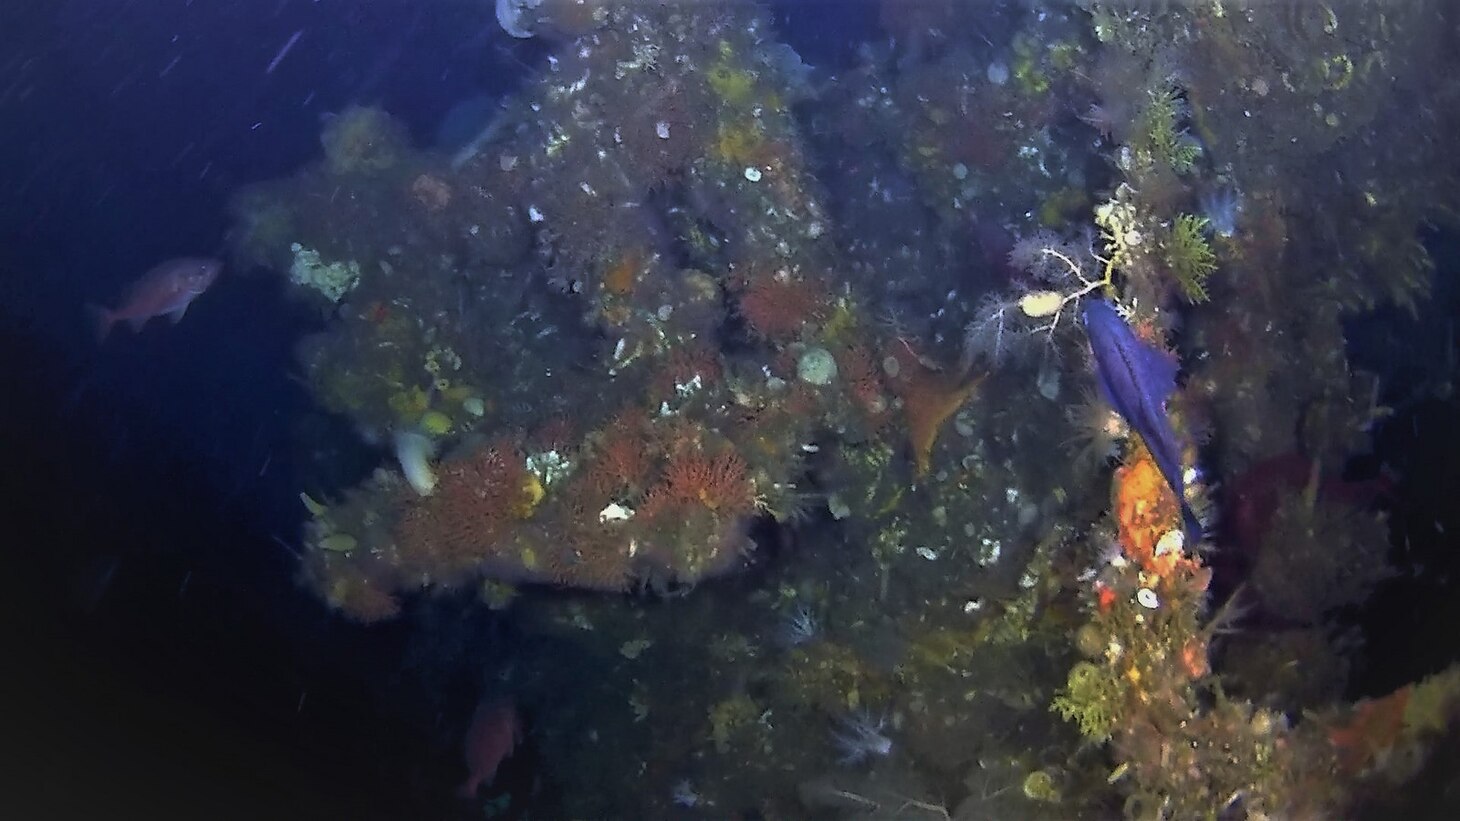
{"x":167,"y":289}
{"x":493,"y":733}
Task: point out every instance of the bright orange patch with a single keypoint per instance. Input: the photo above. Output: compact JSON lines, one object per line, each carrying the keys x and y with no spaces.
{"x":1145,"y":507}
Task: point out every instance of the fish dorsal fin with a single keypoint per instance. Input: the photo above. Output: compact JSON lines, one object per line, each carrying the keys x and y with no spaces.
{"x":1158,"y":367}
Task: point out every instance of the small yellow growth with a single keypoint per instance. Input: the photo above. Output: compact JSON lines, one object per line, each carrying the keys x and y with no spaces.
{"x":840,"y":326}
{"x":315,"y":509}
{"x":338,"y":543}
{"x":458,"y":393}
{"x":1159,"y":139}
{"x":532,"y":493}
{"x":740,"y":144}
{"x":409,"y":404}
{"x":1063,"y":207}
{"x":729,"y":717}
{"x":435,"y":423}
{"x":733,"y":86}
{"x":1039,"y":786}
{"x":1040,"y":304}
{"x":496,"y":595}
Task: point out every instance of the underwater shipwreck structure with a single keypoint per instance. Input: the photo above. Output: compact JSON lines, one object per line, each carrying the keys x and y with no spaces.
{"x":687,"y":307}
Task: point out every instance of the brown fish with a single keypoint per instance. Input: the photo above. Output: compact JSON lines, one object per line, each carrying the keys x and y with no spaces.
{"x":167,"y":289}
{"x":493,"y":733}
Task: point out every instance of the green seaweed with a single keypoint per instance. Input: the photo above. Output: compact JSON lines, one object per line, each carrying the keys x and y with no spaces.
{"x":1160,"y":139}
{"x":1190,"y":257}
{"x":1091,"y":699}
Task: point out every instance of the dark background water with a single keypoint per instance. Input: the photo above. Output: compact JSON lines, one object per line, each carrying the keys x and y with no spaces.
{"x":160,"y":656}
{"x":163,"y":660}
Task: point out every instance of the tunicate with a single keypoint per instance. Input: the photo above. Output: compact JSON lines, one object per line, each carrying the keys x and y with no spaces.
{"x":1048,"y":382}
{"x":963,"y":424}
{"x":837,"y":507}
{"x":512,"y":16}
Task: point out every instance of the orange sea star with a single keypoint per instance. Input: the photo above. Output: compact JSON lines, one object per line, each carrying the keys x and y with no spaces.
{"x":929,"y":398}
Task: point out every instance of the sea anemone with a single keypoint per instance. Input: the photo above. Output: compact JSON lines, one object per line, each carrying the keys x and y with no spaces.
{"x":1097,"y":431}
{"x":859,"y":737}
{"x":799,"y":627}
{"x":1222,"y":207}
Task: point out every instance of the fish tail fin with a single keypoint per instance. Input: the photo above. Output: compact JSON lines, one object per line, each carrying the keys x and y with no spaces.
{"x":1196,"y":529}
{"x":102,"y":320}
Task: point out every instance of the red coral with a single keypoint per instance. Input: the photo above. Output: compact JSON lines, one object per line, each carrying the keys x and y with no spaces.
{"x":861,"y":374}
{"x":776,"y":305}
{"x":691,"y":478}
{"x":477,"y":499}
{"x":686,"y":364}
{"x":621,"y":458}
{"x":557,"y":433}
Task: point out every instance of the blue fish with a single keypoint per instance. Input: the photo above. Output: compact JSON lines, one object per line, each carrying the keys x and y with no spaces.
{"x":1136,"y":379}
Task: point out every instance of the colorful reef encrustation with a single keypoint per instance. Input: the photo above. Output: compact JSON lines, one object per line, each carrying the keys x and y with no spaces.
{"x":795,"y":361}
